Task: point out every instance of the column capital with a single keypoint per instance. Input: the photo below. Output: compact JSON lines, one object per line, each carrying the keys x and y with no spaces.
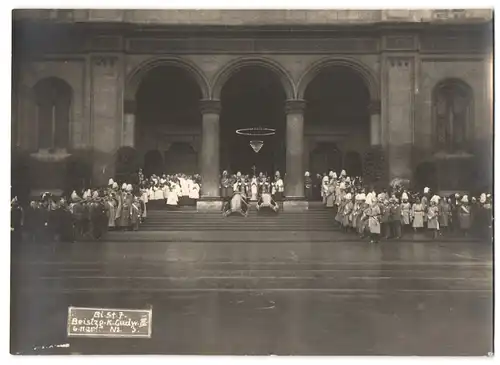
{"x":295,"y":106}
{"x":129,"y":107}
{"x":210,"y":106}
{"x":374,"y":107}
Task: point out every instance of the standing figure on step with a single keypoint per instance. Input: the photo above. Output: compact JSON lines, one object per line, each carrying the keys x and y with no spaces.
{"x":308,"y":186}
{"x":324,"y":188}
{"x":194,"y":192}
{"x":254,"y":188}
{"x":279,"y":195}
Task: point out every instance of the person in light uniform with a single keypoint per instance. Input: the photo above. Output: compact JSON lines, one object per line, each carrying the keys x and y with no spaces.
{"x":194,"y":191}
{"x":280,"y":190}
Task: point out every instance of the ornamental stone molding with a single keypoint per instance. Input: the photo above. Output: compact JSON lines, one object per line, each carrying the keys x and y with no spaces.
{"x":295,"y":106}
{"x":210,"y":106}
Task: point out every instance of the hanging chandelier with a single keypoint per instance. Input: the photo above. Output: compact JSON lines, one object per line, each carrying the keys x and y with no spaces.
{"x":256,"y":145}
{"x":256,"y":132}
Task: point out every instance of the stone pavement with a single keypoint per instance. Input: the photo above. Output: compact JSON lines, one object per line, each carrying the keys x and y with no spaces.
{"x":276,"y":296}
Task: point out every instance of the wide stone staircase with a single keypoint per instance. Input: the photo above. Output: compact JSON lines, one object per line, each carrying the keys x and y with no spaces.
{"x":316,"y":218}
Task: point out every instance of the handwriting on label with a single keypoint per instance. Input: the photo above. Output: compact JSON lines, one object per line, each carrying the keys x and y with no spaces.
{"x":99,"y":322}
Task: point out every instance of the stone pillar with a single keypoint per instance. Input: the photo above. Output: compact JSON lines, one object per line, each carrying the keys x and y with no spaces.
{"x":209,"y":155}
{"x":128,"y":136}
{"x":375,"y":127}
{"x":106,"y":116}
{"x":294,"y":180}
{"x":398,"y":122}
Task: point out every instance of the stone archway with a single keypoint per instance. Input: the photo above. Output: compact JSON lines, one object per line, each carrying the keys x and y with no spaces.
{"x":253,"y":96}
{"x":181,"y":157}
{"x":241,"y":63}
{"x":362,"y":70}
{"x":153,"y":163}
{"x":167,"y":112}
{"x":338,"y":110}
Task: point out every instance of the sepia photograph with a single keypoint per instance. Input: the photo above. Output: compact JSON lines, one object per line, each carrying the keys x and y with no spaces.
{"x":252,"y":182}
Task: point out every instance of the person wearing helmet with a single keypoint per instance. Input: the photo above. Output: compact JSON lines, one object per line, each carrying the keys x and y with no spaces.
{"x":465,"y":215}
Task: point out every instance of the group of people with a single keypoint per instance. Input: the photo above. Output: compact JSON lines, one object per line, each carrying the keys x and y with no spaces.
{"x":171,"y":190}
{"x":390,"y":214}
{"x":90,"y":213}
{"x":238,"y":190}
{"x":81,"y":216}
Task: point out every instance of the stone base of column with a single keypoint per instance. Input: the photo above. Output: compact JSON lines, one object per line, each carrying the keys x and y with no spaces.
{"x":209,"y":204}
{"x":295,"y":204}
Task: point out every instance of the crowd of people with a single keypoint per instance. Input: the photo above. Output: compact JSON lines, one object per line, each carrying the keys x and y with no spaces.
{"x":238,"y":190}
{"x":393,"y":212}
{"x":90,"y":213}
{"x":357,"y":208}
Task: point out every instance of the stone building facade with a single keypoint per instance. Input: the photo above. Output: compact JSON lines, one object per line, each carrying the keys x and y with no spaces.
{"x":385,"y":93}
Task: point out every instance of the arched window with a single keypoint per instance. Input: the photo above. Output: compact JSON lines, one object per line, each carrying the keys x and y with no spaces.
{"x":452,"y":109}
{"x":53,"y":101}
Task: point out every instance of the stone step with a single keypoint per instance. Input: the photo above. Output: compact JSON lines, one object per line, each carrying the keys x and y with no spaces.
{"x":192,"y":220}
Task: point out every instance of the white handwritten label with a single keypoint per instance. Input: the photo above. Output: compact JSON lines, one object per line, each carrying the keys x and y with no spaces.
{"x":101,"y":322}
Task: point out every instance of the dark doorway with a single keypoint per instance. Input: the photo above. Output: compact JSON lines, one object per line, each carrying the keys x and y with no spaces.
{"x":353,"y":163}
{"x":325,"y":157}
{"x":425,"y":176}
{"x":338,"y":106}
{"x":180,"y":157}
{"x":253,"y":97}
{"x":167,"y":106}
{"x":153,"y":163}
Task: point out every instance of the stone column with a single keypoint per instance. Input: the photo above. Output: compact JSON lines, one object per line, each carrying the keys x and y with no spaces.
{"x":294,"y":181}
{"x":375,"y":127}
{"x":129,"y":111}
{"x":209,"y":155}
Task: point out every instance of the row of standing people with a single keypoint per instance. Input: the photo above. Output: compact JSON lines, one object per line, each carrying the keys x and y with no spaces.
{"x":172,"y":190}
{"x":390,"y":216}
{"x":252,"y":187}
{"x":88,"y":215}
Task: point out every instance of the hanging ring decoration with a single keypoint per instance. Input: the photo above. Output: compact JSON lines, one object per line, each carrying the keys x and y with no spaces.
{"x":256,"y":132}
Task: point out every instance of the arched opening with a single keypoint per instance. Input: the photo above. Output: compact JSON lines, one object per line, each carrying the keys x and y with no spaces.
{"x":153,"y":163}
{"x":253,"y":97}
{"x":426,"y":176}
{"x":325,"y":157}
{"x":452,"y":113}
{"x":167,"y":112}
{"x":53,"y":104}
{"x":181,"y":157}
{"x":337,"y":112}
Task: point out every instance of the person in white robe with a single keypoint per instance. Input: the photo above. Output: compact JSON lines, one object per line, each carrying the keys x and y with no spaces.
{"x":165,"y":189}
{"x":254,"y":189}
{"x":173,"y":195}
{"x":194,"y":192}
{"x":158,"y":191}
{"x":324,"y":188}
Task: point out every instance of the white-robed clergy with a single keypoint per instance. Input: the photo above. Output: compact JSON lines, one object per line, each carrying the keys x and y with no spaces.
{"x":184,"y":185}
{"x":254,"y":189}
{"x":194,"y":191}
{"x":165,"y":189}
{"x":324,"y":188}
{"x":158,"y":191}
{"x":173,"y":195}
